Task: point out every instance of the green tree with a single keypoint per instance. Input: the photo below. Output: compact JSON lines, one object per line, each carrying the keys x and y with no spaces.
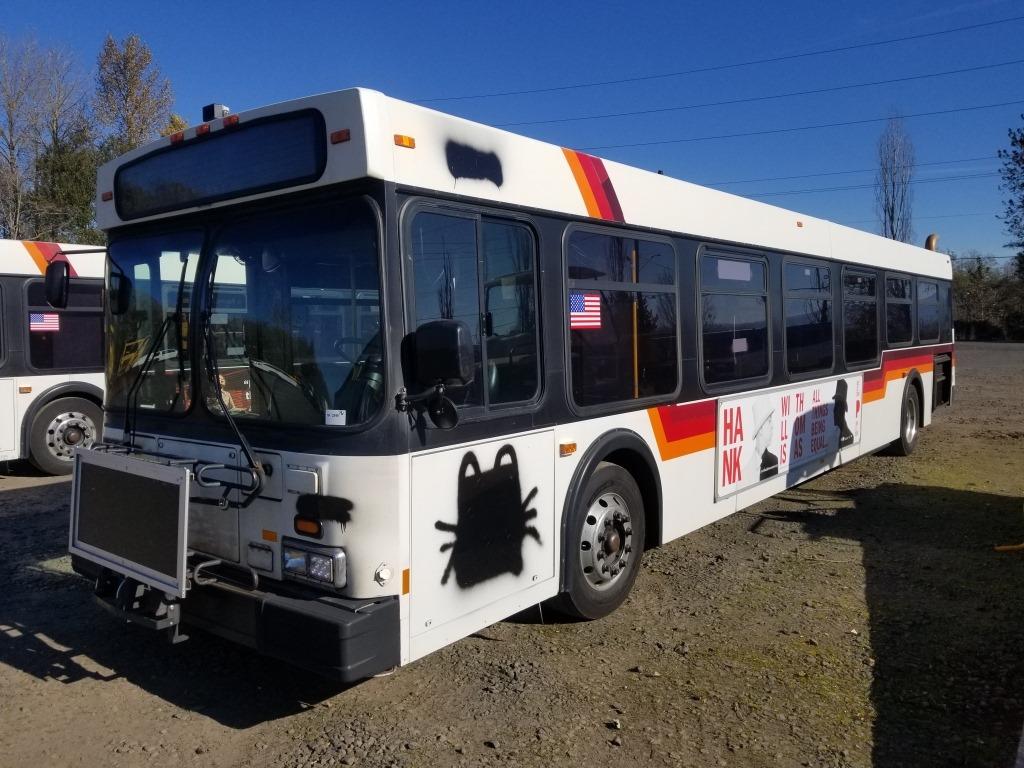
{"x":1012,"y":174}
{"x":133,"y":98}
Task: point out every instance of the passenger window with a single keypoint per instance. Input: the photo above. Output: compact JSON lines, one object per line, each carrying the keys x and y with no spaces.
{"x":928,"y":311}
{"x":621,"y":304}
{"x":808,"y":317}
{"x":482,"y":272}
{"x":860,"y":317}
{"x":734,"y":318}
{"x":899,"y":305}
{"x":69,"y":338}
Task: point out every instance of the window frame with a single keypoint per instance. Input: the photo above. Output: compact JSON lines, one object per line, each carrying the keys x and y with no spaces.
{"x":477,"y":214}
{"x":817,"y":372}
{"x":912,"y":301}
{"x":867,"y":271}
{"x":917,"y":308}
{"x":99,"y":311}
{"x":733,"y":385}
{"x":568,"y":285}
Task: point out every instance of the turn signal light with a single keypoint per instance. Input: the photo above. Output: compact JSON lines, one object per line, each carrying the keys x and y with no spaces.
{"x":566,"y":449}
{"x":339,"y":137}
{"x":308,"y":527}
{"x":405,"y":141}
{"x":107,"y":196}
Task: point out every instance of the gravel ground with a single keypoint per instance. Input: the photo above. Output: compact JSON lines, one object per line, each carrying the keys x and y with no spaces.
{"x":860,"y":620}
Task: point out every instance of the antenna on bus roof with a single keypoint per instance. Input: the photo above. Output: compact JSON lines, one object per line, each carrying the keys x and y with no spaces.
{"x":215,"y":112}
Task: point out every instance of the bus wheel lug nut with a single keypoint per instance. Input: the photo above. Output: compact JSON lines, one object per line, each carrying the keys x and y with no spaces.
{"x":585,"y":546}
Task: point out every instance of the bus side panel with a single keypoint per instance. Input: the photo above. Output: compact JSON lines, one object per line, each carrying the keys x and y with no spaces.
{"x":483,"y":532}
{"x":9,"y":448}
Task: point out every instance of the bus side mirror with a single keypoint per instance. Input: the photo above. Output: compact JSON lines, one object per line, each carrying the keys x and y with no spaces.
{"x":119,"y":293}
{"x":444,"y":354}
{"x":443,"y":358}
{"x":57,"y":282}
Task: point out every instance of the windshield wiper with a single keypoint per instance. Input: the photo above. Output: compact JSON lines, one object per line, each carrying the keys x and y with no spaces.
{"x":213,"y":374}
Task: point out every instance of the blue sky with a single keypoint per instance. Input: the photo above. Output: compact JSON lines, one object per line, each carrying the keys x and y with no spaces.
{"x":247,"y":54}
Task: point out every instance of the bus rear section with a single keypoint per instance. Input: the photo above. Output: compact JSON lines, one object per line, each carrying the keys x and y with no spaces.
{"x":51,"y":360}
{"x":379,"y":387}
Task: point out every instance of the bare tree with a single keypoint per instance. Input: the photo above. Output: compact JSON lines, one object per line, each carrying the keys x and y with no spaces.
{"x":133,"y":98}
{"x":20,"y":119}
{"x":893,"y":195}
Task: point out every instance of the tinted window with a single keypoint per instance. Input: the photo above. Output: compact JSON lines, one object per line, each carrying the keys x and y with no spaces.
{"x":456,"y":261}
{"x":734,"y":319}
{"x":510,"y":312}
{"x":928,"y":311}
{"x":899,"y":297}
{"x":945,"y":312}
{"x":65,"y":339}
{"x":860,"y":317}
{"x":808,"y":309}
{"x":623,"y":342}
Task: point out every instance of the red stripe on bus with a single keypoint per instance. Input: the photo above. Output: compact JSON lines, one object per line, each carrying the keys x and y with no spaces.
{"x":896,"y":364}
{"x":684,"y":429}
{"x":594,"y":182}
{"x":43,"y":253}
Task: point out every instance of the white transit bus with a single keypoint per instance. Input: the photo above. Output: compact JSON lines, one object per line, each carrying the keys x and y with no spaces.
{"x":51,"y":360}
{"x":379,"y":377}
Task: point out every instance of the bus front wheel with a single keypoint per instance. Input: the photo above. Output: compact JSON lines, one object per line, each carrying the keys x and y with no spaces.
{"x":604,"y":544}
{"x":60,"y":427}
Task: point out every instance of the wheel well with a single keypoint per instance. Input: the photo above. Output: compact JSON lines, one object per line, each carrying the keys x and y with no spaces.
{"x":915,"y":381}
{"x":637,"y":466}
{"x":59,"y":393}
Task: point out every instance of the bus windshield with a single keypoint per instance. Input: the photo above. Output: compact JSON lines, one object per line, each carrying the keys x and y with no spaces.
{"x":290,"y":314}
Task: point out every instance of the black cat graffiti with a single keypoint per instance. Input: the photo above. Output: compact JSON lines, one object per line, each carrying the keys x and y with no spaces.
{"x":493,"y":521}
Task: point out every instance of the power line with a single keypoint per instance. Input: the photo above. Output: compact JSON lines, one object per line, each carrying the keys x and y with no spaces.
{"x":720,"y":67}
{"x":924,"y":218}
{"x":869,"y":186}
{"x":771,"y":97}
{"x":800,"y":128}
{"x":839,"y":173}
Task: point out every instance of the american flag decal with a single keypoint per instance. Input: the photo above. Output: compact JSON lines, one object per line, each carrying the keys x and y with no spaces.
{"x":42,"y":322}
{"x":584,"y":311}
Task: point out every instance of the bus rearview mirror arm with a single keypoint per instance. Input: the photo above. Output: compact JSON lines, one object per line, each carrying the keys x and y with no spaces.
{"x":438,"y":405}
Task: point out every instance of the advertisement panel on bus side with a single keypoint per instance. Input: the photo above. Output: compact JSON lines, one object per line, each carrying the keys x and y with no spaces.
{"x":788,"y":431}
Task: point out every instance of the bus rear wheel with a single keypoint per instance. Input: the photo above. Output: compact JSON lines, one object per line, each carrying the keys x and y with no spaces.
{"x":910,"y":423}
{"x":604,"y":544}
{"x":60,"y":427}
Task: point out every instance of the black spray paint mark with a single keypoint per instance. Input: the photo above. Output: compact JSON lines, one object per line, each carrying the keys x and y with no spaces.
{"x":465,"y":162}
{"x":839,"y":409}
{"x":325,"y":508}
{"x":493,"y":521}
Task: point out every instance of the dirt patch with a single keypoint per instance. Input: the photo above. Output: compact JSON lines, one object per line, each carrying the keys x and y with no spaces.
{"x":862,"y":619}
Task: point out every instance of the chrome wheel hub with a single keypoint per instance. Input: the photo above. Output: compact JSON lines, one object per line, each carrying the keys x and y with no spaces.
{"x":67,"y":431}
{"x":910,"y":430}
{"x":606,"y":544}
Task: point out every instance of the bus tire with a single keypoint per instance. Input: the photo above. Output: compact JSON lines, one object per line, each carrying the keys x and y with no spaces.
{"x":604,"y":543}
{"x":910,"y":423}
{"x":61,"y":426}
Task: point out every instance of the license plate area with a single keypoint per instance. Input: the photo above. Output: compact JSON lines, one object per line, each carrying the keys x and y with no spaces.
{"x":131,"y":515}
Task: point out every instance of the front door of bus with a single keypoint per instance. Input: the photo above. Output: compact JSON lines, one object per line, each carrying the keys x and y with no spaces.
{"x":482,"y":530}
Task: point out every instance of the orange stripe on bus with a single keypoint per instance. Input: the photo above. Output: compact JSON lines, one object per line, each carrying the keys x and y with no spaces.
{"x":578,"y":173}
{"x":37,"y":255}
{"x":683,"y":441}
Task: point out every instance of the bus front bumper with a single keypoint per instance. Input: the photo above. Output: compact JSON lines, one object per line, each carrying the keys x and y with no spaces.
{"x":339,"y":638}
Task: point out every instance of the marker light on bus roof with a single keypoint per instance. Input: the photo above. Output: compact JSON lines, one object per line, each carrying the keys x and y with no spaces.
{"x":177,"y":138}
{"x":405,"y":141}
{"x":231,"y":121}
{"x":339,"y":137}
{"x":202,"y":129}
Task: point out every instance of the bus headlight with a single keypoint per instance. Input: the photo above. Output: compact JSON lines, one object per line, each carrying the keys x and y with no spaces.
{"x":314,"y":564}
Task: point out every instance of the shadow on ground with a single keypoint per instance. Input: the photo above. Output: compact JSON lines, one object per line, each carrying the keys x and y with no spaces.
{"x":51,"y":629}
{"x":946,"y":629}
